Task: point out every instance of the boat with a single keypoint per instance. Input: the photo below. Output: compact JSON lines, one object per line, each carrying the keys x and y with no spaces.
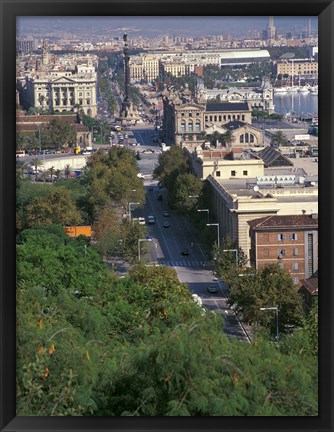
{"x":303,"y":89}
{"x":283,"y":89}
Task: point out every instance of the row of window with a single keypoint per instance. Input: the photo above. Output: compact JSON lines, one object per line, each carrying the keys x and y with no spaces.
{"x":280,"y":252}
{"x":282,"y":237}
{"x":233,"y":173}
{"x":295,"y":266}
{"x":191,"y":126}
{"x":225,"y":117}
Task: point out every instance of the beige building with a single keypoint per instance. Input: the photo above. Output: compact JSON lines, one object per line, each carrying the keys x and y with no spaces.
{"x":174,"y":68}
{"x":297,"y":67}
{"x":57,"y":88}
{"x":186,"y":121}
{"x":225,"y":164}
{"x":235,"y":202}
{"x":143,"y":67}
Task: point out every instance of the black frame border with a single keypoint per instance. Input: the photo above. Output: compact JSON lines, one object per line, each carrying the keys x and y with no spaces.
{"x":9,"y":10}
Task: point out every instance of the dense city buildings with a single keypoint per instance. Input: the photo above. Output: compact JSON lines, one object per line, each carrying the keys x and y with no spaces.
{"x":58,"y":86}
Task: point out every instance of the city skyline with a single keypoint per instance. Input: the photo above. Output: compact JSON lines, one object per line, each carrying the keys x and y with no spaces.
{"x":155,"y":26}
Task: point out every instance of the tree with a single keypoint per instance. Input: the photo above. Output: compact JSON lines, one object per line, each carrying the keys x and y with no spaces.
{"x":228,"y":138}
{"x":268,"y":287}
{"x":59,"y":133}
{"x":279,"y":139}
{"x":55,"y":208}
{"x":36,"y":163}
{"x":171,"y":164}
{"x":185,"y":188}
{"x":229,"y":263}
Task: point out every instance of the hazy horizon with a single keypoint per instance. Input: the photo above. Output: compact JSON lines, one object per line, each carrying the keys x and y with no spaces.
{"x":153,"y":26}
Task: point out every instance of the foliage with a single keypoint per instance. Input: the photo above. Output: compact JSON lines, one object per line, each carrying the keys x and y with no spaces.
{"x":57,"y":134}
{"x":226,"y":261}
{"x":56,"y":207}
{"x":269,"y":287}
{"x":181,"y":195}
{"x":89,"y":343}
{"x":279,"y":139}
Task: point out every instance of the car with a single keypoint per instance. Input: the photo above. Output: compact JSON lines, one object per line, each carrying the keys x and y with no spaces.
{"x":185,"y":252}
{"x":166,"y":213}
{"x":212,"y":289}
{"x":151,"y":219}
{"x":166,"y":224}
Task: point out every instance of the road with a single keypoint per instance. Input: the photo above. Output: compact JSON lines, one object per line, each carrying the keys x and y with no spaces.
{"x":167,"y":243}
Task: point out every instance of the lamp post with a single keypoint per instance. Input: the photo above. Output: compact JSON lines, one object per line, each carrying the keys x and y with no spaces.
{"x":130,"y":204}
{"x":236,"y":255}
{"x":275,"y":308}
{"x":139,"y":241}
{"x":205,"y":210}
{"x":218,"y":237}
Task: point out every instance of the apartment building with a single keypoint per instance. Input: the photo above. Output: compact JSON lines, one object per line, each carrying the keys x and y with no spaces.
{"x":296,"y":67}
{"x":291,"y":241}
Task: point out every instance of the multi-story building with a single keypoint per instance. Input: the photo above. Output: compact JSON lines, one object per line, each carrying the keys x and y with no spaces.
{"x":261,"y":99}
{"x":291,"y":241}
{"x":58,"y":88}
{"x":143,"y":67}
{"x":188,"y":120}
{"x":148,"y":65}
{"x":239,"y":198}
{"x":296,"y":67}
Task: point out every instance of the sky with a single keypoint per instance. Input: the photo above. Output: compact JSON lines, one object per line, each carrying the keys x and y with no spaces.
{"x":154,"y":26}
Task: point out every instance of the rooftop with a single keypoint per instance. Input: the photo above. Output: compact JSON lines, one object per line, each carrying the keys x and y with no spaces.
{"x":284,"y":221}
{"x":227,"y":106}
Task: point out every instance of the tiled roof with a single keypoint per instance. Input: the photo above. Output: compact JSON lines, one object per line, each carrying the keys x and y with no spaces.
{"x":269,"y":155}
{"x":284,"y":221}
{"x":227,"y":106}
{"x":311,"y":285}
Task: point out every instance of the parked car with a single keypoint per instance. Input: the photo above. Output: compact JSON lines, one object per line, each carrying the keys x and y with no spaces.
{"x":166,"y":213}
{"x":166,"y":224}
{"x":185,"y":252}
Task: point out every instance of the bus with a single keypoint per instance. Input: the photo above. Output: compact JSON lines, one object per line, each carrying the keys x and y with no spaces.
{"x":20,"y":153}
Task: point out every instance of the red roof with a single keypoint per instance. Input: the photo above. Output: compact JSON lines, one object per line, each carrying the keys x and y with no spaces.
{"x":286,"y":222}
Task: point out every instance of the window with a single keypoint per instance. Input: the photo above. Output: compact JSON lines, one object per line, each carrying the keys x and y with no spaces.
{"x":198,"y":126}
{"x":217,"y":173}
{"x":296,"y":280}
{"x":220,"y":118}
{"x":281,"y":253}
{"x":244,"y":173}
{"x":215,"y":118}
{"x":190,"y":115}
{"x":190,"y":126}
{"x":251,"y":138}
{"x":280,"y":265}
{"x":233,"y":173}
{"x":293,"y":237}
{"x":295,"y":252}
{"x":295,"y":266}
{"x":241,"y":138}
{"x":211,"y":118}
{"x":183,"y":127}
{"x":281,"y":237}
{"x":246,"y":137}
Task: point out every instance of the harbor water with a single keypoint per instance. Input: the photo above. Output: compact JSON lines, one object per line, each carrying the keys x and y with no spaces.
{"x":295,"y":102}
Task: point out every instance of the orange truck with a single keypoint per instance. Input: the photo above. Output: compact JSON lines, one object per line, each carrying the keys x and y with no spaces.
{"x":75,"y":231}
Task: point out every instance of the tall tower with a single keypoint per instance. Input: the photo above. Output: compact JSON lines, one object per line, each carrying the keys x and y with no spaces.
{"x":271,"y":29}
{"x":126,"y":101}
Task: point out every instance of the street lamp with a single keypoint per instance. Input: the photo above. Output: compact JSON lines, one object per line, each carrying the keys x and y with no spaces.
{"x":236,"y":255}
{"x":139,"y":241}
{"x":130,"y":204}
{"x":217,"y":225}
{"x":275,"y":308}
{"x":205,"y":210}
